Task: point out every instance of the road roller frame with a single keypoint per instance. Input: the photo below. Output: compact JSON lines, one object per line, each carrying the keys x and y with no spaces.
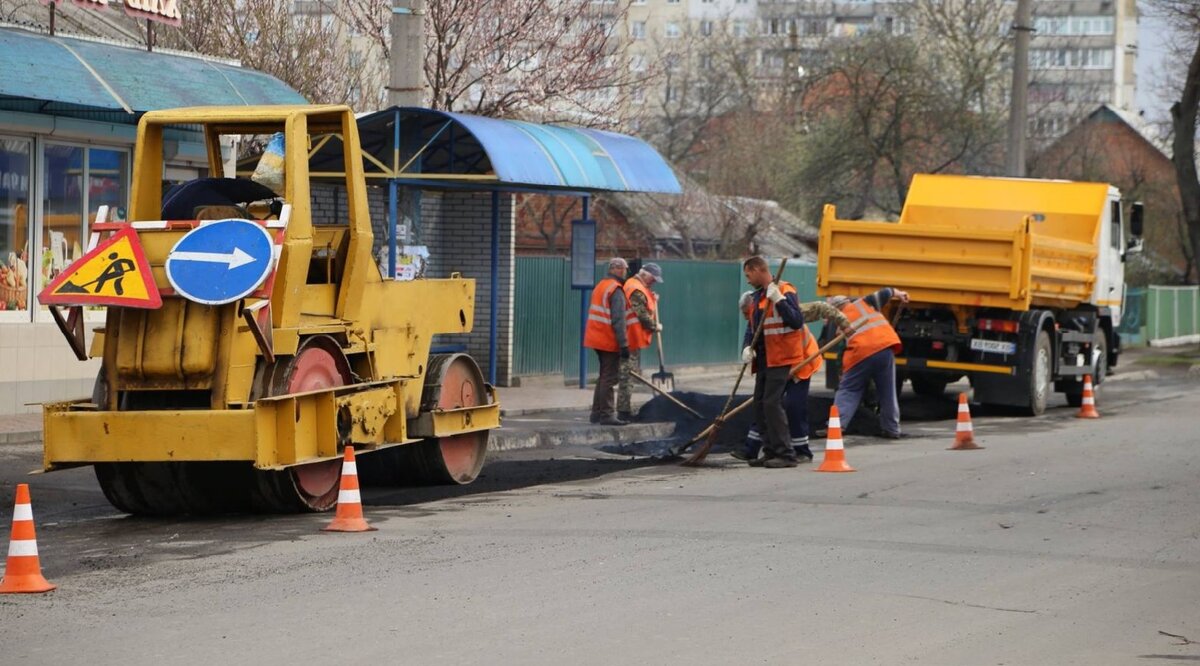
{"x":332,"y":355}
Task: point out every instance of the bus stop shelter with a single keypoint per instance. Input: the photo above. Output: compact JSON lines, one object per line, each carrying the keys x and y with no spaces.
{"x":424,"y":149}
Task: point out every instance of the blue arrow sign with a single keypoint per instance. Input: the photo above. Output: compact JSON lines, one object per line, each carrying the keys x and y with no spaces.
{"x":220,"y":262}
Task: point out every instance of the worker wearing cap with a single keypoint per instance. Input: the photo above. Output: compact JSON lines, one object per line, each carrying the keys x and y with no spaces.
{"x":606,"y":333}
{"x":796,"y":393}
{"x":641,"y":321}
{"x":870,"y":356}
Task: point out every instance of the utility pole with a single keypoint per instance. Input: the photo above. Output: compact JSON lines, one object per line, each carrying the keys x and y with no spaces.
{"x":1018,"y":113}
{"x":406,"y":75}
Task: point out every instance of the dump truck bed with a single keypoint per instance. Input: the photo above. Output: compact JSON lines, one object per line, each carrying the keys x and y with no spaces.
{"x":971,"y":241}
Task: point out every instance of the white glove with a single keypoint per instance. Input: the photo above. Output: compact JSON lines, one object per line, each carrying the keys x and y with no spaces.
{"x":747,"y":354}
{"x":773,"y":293}
{"x":660,"y":327}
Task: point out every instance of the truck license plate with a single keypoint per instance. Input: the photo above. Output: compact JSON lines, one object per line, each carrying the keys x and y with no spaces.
{"x":993,"y":346}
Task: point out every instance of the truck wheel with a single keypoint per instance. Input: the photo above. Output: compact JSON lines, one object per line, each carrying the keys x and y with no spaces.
{"x":1099,"y":370}
{"x":1039,"y":374}
{"x":929,"y":387}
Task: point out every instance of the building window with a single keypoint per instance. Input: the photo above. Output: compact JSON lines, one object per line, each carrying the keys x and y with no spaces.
{"x":638,"y":96}
{"x":706,"y":61}
{"x":637,"y":63}
{"x":637,"y":30}
{"x":671,"y":94}
{"x":672,"y":30}
{"x":15,"y":219}
{"x":1073,"y":25}
{"x":76,"y":181}
{"x":741,"y":28}
{"x":1071,"y":58}
{"x":672,"y":63}
{"x":706,"y":27}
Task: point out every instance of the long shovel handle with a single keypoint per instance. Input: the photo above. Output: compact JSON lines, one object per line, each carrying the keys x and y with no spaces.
{"x":664,"y":394}
{"x":758,"y":329}
{"x":661,"y":364}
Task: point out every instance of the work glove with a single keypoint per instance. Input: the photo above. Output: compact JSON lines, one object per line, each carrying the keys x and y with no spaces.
{"x":660,"y":327}
{"x":747,"y":354}
{"x":624,"y":353}
{"x":847,"y":331}
{"x":773,"y":293}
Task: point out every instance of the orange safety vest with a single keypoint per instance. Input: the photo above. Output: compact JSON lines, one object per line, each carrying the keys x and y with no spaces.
{"x":599,"y":334}
{"x":639,"y":337}
{"x":875,"y":335}
{"x":786,"y":345}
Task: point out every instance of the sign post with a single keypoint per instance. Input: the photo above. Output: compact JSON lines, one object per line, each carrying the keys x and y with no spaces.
{"x":583,"y":276}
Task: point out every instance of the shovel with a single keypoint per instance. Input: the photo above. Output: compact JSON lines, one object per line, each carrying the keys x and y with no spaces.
{"x":663,"y":381}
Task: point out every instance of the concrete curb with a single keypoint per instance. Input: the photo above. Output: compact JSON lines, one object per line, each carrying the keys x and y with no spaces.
{"x":519,"y":438}
{"x":21,"y":437}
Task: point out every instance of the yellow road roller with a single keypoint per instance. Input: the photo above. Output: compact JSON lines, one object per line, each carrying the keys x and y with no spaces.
{"x":245,"y":346}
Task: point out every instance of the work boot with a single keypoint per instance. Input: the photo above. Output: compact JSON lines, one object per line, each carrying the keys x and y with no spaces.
{"x":892,"y":435}
{"x":804,"y":454}
{"x":611,"y":421}
{"x":627,"y":417}
{"x":779,"y":462}
{"x":759,"y":462}
{"x":744,"y":455}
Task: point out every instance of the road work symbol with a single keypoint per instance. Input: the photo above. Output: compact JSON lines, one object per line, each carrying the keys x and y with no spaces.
{"x":221,"y":262}
{"x":115,"y":272}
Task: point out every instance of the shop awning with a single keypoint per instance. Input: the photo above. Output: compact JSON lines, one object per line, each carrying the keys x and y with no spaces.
{"x":429,"y":148}
{"x":63,"y":73}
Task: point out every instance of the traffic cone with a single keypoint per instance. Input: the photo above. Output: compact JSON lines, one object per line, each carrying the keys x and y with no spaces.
{"x":23,"y":573}
{"x":1087,"y":410}
{"x":964,"y":432}
{"x":349,"y":517}
{"x":835,"y":450}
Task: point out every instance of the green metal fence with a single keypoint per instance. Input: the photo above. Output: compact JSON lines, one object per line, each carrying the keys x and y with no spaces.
{"x":1172,"y":315}
{"x":697,"y":305}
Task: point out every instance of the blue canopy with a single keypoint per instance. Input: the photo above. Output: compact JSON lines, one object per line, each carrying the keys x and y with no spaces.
{"x":79,"y":74}
{"x":455,"y":148}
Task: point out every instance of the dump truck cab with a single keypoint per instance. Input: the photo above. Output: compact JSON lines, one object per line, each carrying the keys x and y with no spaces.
{"x":239,"y":392}
{"x":1017,"y":284}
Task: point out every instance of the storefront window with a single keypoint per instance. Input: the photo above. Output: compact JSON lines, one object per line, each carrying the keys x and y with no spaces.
{"x":69,"y":207}
{"x":15,"y":172}
{"x":62,"y":210}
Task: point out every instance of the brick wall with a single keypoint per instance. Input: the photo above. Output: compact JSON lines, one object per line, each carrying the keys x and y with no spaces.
{"x":456,"y":227}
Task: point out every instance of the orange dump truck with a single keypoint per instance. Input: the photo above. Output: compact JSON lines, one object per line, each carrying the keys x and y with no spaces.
{"x":1015,"y":283}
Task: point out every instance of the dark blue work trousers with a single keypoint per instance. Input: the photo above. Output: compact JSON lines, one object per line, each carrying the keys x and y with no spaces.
{"x":880,"y":368}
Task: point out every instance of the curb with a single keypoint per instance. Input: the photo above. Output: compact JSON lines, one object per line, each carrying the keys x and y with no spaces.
{"x":21,"y":437}
{"x":517,"y":439}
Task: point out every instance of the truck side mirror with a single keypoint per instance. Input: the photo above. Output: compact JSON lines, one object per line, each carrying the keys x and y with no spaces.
{"x":1136,"y":219}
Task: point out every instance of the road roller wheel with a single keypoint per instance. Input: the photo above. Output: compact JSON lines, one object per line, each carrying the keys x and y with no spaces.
{"x":451,"y":381}
{"x":165,"y":488}
{"x":318,"y":364}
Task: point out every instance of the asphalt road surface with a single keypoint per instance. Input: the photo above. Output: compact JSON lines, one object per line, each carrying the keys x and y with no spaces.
{"x":1063,"y":542}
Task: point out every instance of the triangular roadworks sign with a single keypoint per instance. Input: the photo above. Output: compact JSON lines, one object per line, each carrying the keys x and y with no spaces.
{"x":115,"y":272}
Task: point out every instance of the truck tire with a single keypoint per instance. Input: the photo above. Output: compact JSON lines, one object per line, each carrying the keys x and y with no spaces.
{"x":1041,"y":365}
{"x":1099,"y":369}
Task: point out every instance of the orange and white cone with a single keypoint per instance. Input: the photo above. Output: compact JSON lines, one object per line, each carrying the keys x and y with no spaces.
{"x":23,"y":573}
{"x":835,"y":449}
{"x":349,"y":517}
{"x":964,"y":432}
{"x":1087,"y":410}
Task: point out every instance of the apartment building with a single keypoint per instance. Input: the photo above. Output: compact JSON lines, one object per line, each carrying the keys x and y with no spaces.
{"x":1082,"y":54}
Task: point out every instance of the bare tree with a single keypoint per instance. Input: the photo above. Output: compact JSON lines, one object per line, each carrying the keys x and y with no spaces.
{"x":1184,"y":18}
{"x":545,"y":60}
{"x":704,"y":73}
{"x":306,"y":51}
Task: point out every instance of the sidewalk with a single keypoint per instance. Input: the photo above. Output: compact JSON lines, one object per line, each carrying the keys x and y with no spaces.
{"x":20,"y":428}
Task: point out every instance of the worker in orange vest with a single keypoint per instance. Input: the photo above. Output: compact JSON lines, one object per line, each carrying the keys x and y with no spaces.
{"x":795,"y":396}
{"x":606,"y":333}
{"x":641,"y":322}
{"x":870,"y":356}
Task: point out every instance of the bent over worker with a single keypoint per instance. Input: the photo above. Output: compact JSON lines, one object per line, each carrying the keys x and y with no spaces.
{"x":870,"y":356}
{"x":605,"y":332}
{"x":641,"y":321}
{"x":795,"y":395}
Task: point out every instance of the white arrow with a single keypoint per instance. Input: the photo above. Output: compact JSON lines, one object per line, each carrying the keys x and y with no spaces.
{"x":233,"y":259}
